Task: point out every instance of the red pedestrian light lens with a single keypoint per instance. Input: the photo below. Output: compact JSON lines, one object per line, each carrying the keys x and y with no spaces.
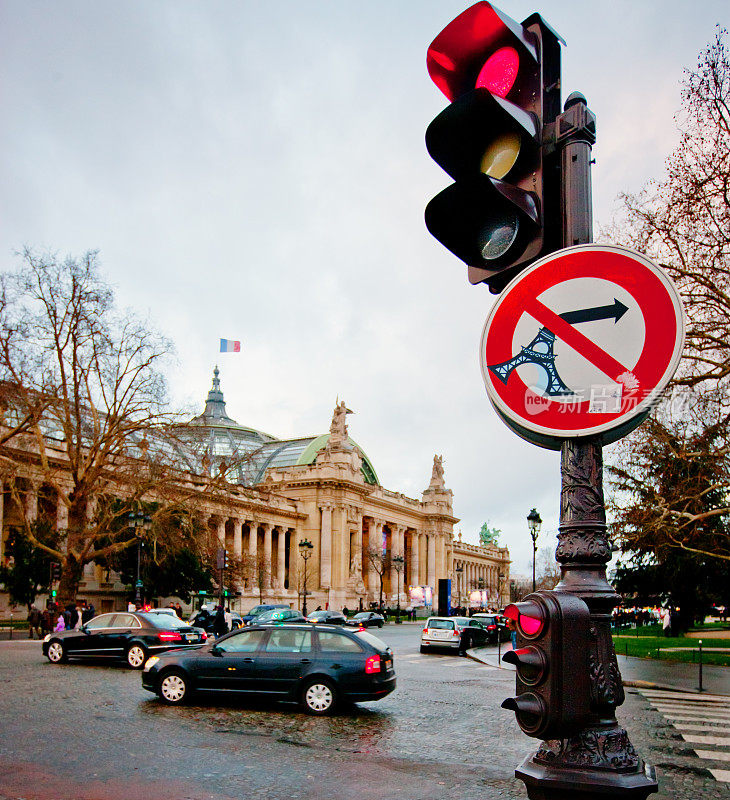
{"x":530,"y":625}
{"x":499,"y":72}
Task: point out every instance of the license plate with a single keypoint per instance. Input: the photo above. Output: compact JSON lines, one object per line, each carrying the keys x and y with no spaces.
{"x":191,"y":637}
{"x":440,"y":634}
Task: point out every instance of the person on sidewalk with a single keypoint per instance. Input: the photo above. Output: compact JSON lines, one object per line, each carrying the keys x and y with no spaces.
{"x":512,"y":628}
{"x":34,"y":622}
{"x":667,"y":622}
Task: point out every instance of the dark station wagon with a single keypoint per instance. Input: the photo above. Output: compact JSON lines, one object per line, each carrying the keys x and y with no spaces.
{"x":315,"y":665}
{"x":123,"y":635}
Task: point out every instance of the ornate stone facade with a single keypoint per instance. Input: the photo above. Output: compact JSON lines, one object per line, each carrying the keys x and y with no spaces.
{"x":325,"y":490}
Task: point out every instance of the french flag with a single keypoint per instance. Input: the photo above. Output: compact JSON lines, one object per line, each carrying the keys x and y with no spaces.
{"x":229,"y":346}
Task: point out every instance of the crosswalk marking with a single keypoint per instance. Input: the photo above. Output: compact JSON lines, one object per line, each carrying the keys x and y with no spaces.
{"x":712,"y":711}
{"x":713,"y":755}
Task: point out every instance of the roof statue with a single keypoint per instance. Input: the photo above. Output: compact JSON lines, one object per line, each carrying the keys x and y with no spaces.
{"x":338,"y":428}
{"x":437,"y":474}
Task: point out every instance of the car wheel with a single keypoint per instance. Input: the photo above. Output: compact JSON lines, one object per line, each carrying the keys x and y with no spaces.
{"x":136,"y":656}
{"x":56,"y":653}
{"x":319,"y":697}
{"x":380,"y":625}
{"x":424,"y":648}
{"x":173,"y":688}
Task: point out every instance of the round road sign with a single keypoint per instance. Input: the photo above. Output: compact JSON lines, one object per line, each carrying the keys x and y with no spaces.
{"x":581,"y":344}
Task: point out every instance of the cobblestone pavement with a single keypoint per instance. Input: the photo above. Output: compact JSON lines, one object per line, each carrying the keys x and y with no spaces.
{"x":86,"y":732}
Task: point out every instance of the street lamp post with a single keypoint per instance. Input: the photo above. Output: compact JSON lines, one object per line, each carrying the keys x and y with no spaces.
{"x":305,"y":551}
{"x":138,"y":524}
{"x":459,"y":573}
{"x":534,"y":522}
{"x":398,"y":562}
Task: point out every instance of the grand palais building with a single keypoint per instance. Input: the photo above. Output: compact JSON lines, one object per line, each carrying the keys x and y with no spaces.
{"x":323,"y":490}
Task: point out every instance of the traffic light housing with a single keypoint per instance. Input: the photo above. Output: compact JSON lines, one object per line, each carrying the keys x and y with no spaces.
{"x":55,"y":572}
{"x":225,"y":559}
{"x":552,"y":676}
{"x":503,"y":78}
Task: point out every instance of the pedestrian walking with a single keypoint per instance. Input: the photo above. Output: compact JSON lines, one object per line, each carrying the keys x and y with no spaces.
{"x":34,"y":622}
{"x":60,"y":624}
{"x":512,"y":628}
{"x":178,"y":610}
{"x":667,"y":622}
{"x":219,"y":623}
{"x":46,"y":621}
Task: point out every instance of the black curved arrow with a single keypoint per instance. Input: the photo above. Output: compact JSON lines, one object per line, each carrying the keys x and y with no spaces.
{"x":616,"y":310}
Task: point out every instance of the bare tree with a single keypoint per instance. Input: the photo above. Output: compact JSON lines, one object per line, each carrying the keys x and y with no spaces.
{"x":87,"y":406}
{"x":379,"y":563}
{"x":683,"y":221}
{"x":548,"y":570}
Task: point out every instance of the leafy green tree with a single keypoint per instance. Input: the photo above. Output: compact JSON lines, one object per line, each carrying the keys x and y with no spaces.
{"x":29,"y":573}
{"x":489,"y":536}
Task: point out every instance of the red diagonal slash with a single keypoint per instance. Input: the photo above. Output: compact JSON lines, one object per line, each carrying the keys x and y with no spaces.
{"x":575,"y":339}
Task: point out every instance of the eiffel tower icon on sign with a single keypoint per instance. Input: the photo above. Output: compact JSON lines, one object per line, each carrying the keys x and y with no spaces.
{"x":540,"y":352}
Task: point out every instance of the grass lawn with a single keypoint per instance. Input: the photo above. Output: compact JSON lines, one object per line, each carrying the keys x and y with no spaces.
{"x":649,"y":642}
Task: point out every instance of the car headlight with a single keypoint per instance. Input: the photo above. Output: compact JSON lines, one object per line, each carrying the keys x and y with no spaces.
{"x":151,"y":661}
{"x":47,"y":637}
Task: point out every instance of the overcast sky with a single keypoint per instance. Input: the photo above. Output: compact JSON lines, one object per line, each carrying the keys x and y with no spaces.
{"x":256,"y":171}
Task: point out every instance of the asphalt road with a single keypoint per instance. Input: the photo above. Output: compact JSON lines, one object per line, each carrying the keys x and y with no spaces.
{"x":87,"y":732}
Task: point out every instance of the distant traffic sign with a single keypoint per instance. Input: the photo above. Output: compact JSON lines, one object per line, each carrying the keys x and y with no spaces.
{"x":581,"y":344}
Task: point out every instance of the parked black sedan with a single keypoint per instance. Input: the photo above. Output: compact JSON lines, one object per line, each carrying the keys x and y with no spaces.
{"x":122,"y":635}
{"x":315,"y":665}
{"x":366,"y":619}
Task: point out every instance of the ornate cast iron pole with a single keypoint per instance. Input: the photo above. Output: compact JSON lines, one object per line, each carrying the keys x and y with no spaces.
{"x":599,"y":762}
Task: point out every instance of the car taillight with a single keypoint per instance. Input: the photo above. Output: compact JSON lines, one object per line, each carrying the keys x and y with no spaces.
{"x":457,"y":632}
{"x":203,"y":635}
{"x":491,"y":627}
{"x":425,"y":630}
{"x":372,"y":664}
{"x":360,"y":630}
{"x":172,"y":636}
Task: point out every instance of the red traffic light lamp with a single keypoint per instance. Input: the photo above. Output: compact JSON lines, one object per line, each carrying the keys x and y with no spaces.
{"x":552,"y":682}
{"x":503,"y":79}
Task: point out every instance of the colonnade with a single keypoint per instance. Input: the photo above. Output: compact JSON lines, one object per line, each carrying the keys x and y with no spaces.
{"x":471,"y":575}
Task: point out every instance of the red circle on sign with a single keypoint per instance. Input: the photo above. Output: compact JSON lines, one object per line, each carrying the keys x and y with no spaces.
{"x":549,"y":416}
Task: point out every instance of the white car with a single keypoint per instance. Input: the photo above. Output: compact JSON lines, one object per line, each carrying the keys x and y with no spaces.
{"x":456,"y":632}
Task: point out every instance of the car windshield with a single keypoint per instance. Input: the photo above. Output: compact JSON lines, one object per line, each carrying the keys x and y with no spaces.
{"x":373,"y":641}
{"x":165,"y":621}
{"x":319,"y":615}
{"x":362,"y":615}
{"x":485,"y":620}
{"x":446,"y":624}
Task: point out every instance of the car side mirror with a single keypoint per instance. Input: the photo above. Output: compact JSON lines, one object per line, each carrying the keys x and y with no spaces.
{"x":84,"y":629}
{"x":216,"y":651}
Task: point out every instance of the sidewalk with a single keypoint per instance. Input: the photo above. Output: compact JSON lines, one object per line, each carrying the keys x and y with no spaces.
{"x":642,"y":673}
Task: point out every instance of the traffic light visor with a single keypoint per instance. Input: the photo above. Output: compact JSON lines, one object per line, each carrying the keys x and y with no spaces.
{"x":464,"y":50}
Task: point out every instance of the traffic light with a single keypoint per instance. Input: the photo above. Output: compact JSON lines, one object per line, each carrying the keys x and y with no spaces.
{"x":55,"y":572}
{"x":225,"y":559}
{"x":503,"y":78}
{"x":553,"y":685}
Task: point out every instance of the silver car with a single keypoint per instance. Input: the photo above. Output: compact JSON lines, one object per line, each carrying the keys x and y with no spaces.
{"x":458,"y":633}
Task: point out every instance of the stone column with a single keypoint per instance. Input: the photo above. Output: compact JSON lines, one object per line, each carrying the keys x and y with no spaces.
{"x":267,"y":554}
{"x":2,"y":522}
{"x":253,"y":536}
{"x":431,"y":581}
{"x":281,"y":557}
{"x":220,"y":529}
{"x":325,"y":547}
{"x":372,"y":578}
{"x":31,"y":503}
{"x":238,"y":538}
{"x":415,"y":558}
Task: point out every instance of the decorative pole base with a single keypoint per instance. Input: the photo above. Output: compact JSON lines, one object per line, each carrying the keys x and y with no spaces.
{"x":547,"y":782}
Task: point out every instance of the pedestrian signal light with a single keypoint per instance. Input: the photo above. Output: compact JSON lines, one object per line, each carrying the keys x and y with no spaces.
{"x":502,"y":79}
{"x":53,"y":593}
{"x":552,"y":699}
